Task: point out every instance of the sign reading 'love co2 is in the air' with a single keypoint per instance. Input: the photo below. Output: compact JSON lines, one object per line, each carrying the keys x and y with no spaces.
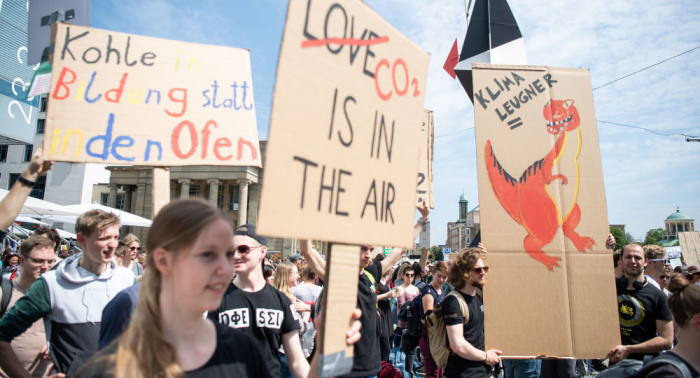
{"x":342,"y":158}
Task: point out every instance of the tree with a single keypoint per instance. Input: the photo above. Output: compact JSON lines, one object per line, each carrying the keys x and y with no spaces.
{"x":436,"y":254}
{"x":620,"y":239}
{"x":654,"y":236}
{"x":630,"y":237}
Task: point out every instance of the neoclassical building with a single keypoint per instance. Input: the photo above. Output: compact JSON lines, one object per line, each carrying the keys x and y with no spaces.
{"x":235,"y":190}
{"x":675,"y":223}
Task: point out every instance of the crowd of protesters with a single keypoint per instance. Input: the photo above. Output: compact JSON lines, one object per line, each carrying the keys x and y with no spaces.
{"x":208,"y":301}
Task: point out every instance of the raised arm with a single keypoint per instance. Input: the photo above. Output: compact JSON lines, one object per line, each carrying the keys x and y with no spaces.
{"x":396,"y":253}
{"x":13,"y":202}
{"x":313,"y":258}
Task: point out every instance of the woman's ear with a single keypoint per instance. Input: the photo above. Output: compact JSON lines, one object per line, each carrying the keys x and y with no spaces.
{"x":163,"y":261}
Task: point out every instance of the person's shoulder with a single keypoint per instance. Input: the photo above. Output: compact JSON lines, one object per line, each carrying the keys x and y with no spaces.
{"x":271,"y":290}
{"x":376,"y":270}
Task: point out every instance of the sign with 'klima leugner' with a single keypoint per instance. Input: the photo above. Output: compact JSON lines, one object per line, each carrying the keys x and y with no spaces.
{"x":342,"y":159}
{"x":126,"y":99}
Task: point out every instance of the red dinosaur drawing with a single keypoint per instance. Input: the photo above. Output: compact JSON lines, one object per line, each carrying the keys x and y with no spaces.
{"x":527,"y":199}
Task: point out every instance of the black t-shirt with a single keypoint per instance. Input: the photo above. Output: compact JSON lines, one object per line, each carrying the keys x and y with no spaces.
{"x":233,"y":357}
{"x":639,"y":310}
{"x":367,"y":359}
{"x":262,"y":317}
{"x":473,"y":333}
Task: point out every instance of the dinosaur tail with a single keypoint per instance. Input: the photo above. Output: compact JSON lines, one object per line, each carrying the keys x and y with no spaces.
{"x":505,"y":187}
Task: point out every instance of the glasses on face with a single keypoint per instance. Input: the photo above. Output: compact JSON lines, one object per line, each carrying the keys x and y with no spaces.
{"x":664,"y":261}
{"x":244,"y":249}
{"x":484,"y":269}
{"x":408,"y":274}
{"x":664,"y":277}
{"x":41,"y":261}
{"x":137,"y":249}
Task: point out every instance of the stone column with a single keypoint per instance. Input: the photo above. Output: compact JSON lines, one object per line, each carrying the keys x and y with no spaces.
{"x":243,"y":201}
{"x":112,"y":199}
{"x":213,"y":191}
{"x":184,"y":187}
{"x":128,"y":190}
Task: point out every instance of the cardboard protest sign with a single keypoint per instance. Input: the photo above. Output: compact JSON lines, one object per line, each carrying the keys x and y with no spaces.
{"x":543,"y":213}
{"x":342,"y":157}
{"x":425,"y":165}
{"x":690,"y":247}
{"x":126,"y":99}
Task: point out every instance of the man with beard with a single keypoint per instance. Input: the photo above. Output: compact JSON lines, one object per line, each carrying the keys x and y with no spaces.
{"x":645,"y":320}
{"x":469,"y":358}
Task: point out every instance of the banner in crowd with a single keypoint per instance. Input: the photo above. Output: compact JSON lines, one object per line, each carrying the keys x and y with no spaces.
{"x":543,"y":213}
{"x":425,"y":165}
{"x":690,"y":247}
{"x":126,"y":99}
{"x":342,"y":157}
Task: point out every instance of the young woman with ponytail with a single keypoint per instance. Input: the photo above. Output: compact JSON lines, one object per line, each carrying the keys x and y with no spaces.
{"x":684,"y":359}
{"x":190,"y":263}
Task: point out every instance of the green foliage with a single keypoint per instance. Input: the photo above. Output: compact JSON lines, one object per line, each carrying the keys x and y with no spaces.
{"x":620,"y":239}
{"x":653,"y":236}
{"x":436,"y":254}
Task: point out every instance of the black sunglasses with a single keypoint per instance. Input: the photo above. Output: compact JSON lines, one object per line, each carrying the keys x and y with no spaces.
{"x":479,"y":270}
{"x":664,"y":277}
{"x":244,"y":249}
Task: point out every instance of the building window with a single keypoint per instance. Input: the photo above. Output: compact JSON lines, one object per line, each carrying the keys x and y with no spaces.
{"x":28,"y":149}
{"x":3,"y":153}
{"x":234,"y":192}
{"x":194,"y":191}
{"x":39,"y":187}
{"x":104,"y":198}
{"x":220,"y":196}
{"x":467,"y":240}
{"x":40,"y":126}
{"x":43,"y":104}
{"x":469,"y":231}
{"x":120,"y":201}
{"x":13,"y":179}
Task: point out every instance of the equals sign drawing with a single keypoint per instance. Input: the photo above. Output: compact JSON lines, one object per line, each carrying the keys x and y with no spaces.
{"x":515,"y":123}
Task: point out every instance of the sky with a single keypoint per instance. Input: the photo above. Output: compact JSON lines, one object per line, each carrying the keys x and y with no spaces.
{"x":646,"y":175}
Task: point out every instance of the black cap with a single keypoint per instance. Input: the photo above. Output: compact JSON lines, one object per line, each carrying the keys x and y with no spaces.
{"x":249,"y":230}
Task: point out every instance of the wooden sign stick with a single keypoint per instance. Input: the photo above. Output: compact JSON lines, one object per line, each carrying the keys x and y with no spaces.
{"x":340,"y":294}
{"x":161,"y":188}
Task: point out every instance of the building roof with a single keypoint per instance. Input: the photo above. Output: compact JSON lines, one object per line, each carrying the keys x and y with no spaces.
{"x":462,"y":198}
{"x":679,"y":216}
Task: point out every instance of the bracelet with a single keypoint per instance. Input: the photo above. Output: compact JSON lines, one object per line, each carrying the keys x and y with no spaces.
{"x":421,"y":221}
{"x":26,"y":182}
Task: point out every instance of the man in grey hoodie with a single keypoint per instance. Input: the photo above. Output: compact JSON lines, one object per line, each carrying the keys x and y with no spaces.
{"x":70,"y":298}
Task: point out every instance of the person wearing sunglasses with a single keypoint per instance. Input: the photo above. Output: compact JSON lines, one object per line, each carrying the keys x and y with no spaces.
{"x":656,"y":263}
{"x":257,"y":311}
{"x":133,"y":247}
{"x":37,"y":257}
{"x":470,"y":357}
{"x":664,"y":279}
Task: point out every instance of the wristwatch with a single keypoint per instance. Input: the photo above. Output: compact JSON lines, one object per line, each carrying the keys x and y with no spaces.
{"x":421,"y":221}
{"x":26,"y":182}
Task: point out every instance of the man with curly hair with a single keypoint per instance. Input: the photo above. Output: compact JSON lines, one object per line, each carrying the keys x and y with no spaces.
{"x":656,"y":263}
{"x":470,"y":359}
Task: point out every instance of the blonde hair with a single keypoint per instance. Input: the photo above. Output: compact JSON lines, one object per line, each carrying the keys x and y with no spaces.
{"x":95,"y":221}
{"x":281,"y":282}
{"x":652,"y":251}
{"x":120,"y":251}
{"x":142,"y":350}
{"x":130,"y":238}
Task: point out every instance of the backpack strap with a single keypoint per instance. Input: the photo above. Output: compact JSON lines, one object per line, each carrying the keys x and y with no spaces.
{"x":462,"y":305}
{"x":370,"y":276}
{"x":6,"y":296}
{"x":671,"y":359}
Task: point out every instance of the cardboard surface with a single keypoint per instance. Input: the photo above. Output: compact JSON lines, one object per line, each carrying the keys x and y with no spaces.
{"x":342,"y":156}
{"x":342,"y":269}
{"x":425,"y":164}
{"x":690,"y":247}
{"x":126,"y":99}
{"x":546,"y":239}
